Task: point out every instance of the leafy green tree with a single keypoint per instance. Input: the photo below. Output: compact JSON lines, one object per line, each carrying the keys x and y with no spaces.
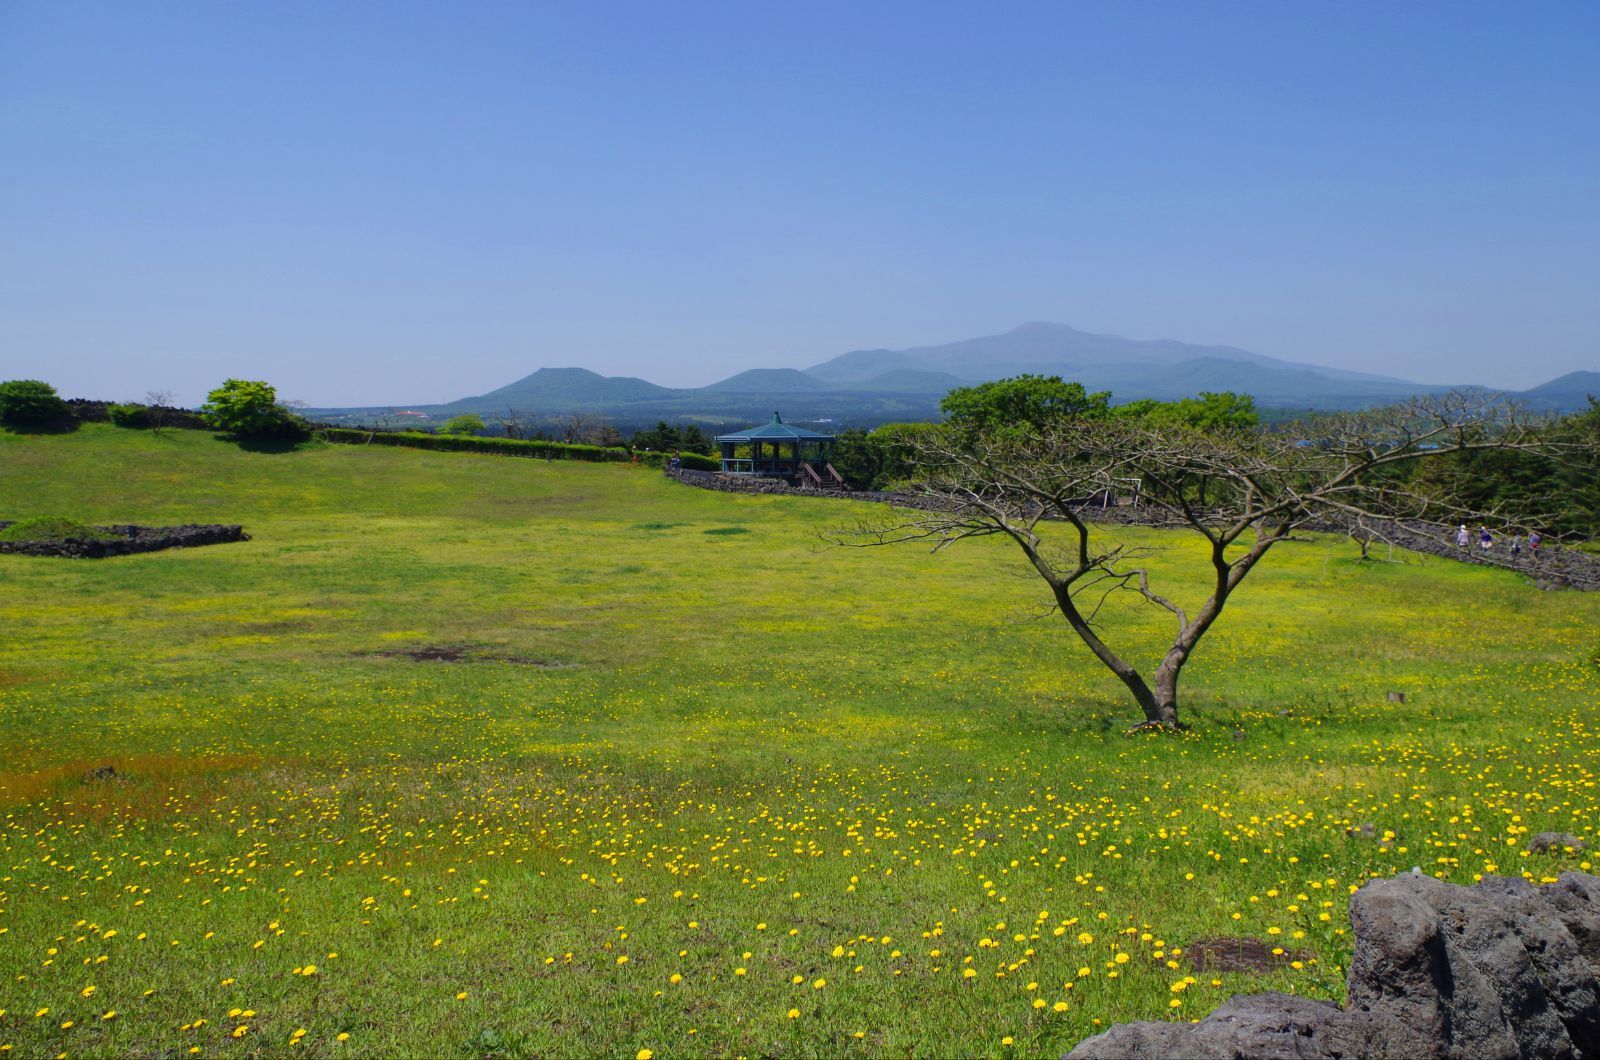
{"x":32,"y":405}
{"x":696,"y":440}
{"x":667,"y":438}
{"x":859,"y":458}
{"x":466,"y":423}
{"x":662,"y":438}
{"x":248,"y":408}
{"x":1024,"y":402}
{"x":1224,"y":411}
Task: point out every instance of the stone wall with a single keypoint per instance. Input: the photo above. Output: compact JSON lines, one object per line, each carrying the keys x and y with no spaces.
{"x":1555,"y":567}
{"x":134,"y":539}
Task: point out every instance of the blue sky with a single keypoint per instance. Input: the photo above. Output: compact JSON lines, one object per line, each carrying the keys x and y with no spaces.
{"x":390,"y":203}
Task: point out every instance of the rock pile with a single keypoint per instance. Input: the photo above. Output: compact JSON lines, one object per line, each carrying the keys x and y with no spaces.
{"x":132,"y":539}
{"x":1502,"y":969}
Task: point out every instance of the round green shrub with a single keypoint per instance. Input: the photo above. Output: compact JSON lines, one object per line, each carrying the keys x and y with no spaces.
{"x":32,"y":405}
{"x":248,"y":408}
{"x":136,"y":416}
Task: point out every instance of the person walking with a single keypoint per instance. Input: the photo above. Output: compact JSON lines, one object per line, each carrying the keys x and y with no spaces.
{"x":1516,"y":547}
{"x":1535,"y":539}
{"x":1462,"y":537}
{"x":1485,"y":539}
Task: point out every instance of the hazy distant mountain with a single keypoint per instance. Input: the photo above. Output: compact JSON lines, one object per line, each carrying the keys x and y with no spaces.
{"x":563,"y":390}
{"x":767,"y":381}
{"x":861,"y":365}
{"x":1130,"y":368}
{"x":874,"y":386}
{"x":910,"y":381}
{"x":1569,"y":393}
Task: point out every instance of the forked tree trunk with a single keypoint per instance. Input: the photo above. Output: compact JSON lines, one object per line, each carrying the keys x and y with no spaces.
{"x":1160,"y":705}
{"x":1166,"y":687}
{"x":1158,"y":697}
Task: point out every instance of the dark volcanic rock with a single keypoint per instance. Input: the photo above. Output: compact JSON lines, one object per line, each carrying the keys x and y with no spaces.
{"x":1547,"y":841}
{"x":132,"y":539}
{"x":1258,"y":1026}
{"x":1503,"y":969}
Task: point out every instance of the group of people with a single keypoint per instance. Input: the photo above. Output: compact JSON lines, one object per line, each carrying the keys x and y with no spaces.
{"x":1486,"y":541}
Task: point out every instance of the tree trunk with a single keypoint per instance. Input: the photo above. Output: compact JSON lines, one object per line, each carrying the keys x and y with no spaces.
{"x":1148,"y":701}
{"x":1166,"y":686}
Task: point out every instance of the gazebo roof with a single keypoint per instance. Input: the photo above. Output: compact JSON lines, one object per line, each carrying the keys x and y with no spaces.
{"x":777,"y":430}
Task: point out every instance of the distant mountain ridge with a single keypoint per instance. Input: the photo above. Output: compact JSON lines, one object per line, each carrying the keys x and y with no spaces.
{"x":866,"y":386}
{"x":1568,"y":393}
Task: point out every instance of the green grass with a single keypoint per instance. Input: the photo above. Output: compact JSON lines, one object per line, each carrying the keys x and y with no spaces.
{"x":704,"y":742}
{"x":53,"y":528}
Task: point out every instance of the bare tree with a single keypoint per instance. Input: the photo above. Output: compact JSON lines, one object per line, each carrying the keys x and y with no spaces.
{"x":514,"y":424}
{"x":587,"y":428}
{"x":158,"y":409}
{"x":1243,"y":491}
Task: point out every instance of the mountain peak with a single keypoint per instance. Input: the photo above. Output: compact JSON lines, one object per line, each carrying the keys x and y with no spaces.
{"x":1044,"y":327}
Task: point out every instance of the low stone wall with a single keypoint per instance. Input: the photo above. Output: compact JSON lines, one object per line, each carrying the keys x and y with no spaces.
{"x":1554,"y":567}
{"x":713,"y":480}
{"x":134,"y":539}
{"x":85,"y":410}
{"x":1502,"y":969}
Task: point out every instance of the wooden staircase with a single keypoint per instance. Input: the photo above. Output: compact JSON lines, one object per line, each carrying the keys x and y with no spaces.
{"x":828,"y":478}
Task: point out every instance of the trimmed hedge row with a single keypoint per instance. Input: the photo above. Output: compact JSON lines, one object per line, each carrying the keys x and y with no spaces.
{"x":466,"y":443}
{"x":693,"y":462}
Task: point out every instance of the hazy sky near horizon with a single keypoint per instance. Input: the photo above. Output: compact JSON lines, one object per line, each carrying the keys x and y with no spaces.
{"x":401,"y":202}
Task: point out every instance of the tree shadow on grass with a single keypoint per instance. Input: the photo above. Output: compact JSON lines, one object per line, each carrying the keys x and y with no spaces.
{"x":65,"y":425}
{"x":263,"y":445}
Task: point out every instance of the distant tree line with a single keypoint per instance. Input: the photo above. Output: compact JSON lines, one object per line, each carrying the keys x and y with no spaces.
{"x":665,"y":437}
{"x":583,"y":428}
{"x":886,"y":457}
{"x":1526,"y":490}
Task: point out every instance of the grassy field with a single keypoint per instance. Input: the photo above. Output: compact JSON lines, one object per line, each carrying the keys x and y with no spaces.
{"x":702,"y":784}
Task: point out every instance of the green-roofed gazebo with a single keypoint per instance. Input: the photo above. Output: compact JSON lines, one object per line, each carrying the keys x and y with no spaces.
{"x":778,"y":450}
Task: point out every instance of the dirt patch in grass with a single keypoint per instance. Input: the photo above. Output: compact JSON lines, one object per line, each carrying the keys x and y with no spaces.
{"x":139,"y":785}
{"x":459,"y":653}
{"x":1227,"y":953}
